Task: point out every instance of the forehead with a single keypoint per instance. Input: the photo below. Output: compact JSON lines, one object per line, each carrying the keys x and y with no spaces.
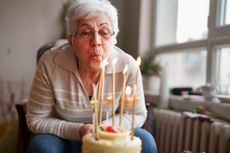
{"x":94,"y":22}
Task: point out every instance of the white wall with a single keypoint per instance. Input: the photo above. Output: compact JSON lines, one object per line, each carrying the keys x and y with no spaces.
{"x":25,"y":25}
{"x":129,"y":18}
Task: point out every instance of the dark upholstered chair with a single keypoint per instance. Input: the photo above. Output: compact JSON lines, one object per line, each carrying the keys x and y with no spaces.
{"x":23,"y":131}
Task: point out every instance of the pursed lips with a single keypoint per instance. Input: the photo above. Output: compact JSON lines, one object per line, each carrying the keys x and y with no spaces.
{"x":96,"y":56}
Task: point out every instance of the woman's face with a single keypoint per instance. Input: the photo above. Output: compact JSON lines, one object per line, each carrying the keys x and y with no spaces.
{"x":92,"y":42}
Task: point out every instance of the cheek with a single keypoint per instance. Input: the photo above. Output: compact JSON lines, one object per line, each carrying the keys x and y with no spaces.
{"x":106,"y":49}
{"x":80,"y":51}
{"x":80,"y":47}
{"x":108,"y":46}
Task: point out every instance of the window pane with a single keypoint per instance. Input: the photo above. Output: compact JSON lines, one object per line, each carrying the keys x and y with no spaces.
{"x":185,"y":68}
{"x":181,"y":21}
{"x":192,"y":20}
{"x":224,"y":70}
{"x":227,"y":17}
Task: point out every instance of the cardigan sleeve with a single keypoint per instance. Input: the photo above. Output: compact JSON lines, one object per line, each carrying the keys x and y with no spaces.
{"x":41,"y":116}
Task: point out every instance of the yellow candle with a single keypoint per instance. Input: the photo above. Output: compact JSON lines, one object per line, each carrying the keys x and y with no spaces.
{"x":101,"y":88}
{"x":138,"y":64}
{"x":95,"y":111}
{"x":113,"y":89}
{"x":94,"y":117}
{"x":122,"y":94}
{"x":134,"y":110}
{"x":135,"y":97}
{"x":109,"y":102}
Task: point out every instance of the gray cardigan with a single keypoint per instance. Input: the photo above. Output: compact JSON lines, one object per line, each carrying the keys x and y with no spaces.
{"x":59,"y":103}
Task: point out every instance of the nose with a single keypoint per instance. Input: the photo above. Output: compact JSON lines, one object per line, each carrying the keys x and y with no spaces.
{"x":96,"y":40}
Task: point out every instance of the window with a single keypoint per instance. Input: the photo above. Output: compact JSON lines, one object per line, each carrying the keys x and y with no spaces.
{"x":224,"y":12}
{"x":192,"y":20}
{"x":186,"y":67}
{"x":223,"y":71}
{"x":192,"y":39}
{"x":227,"y":17}
{"x":181,"y":21}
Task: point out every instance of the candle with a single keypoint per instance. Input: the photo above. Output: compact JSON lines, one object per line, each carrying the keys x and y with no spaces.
{"x":95,"y":112}
{"x":109,"y":102}
{"x":113,"y":89}
{"x":128,"y":100}
{"x":101,"y":88}
{"x":135,"y":97}
{"x":138,"y":64}
{"x":122,"y":94}
{"x":92,"y":102}
{"x":134,"y":110}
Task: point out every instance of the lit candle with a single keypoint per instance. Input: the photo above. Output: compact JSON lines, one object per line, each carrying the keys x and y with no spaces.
{"x":128,"y":100}
{"x":135,"y":97}
{"x":93,"y":104}
{"x":101,"y":88}
{"x":122,"y":94}
{"x":134,"y":110}
{"x":113,"y":89}
{"x":109,"y":102}
{"x":138,"y":64}
{"x":95,"y":112}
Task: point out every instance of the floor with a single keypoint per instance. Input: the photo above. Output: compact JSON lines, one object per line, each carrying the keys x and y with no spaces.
{"x":8,"y":128}
{"x":8,"y":137}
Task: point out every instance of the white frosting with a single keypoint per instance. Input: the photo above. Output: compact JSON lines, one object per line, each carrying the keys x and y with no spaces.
{"x":125,"y":145}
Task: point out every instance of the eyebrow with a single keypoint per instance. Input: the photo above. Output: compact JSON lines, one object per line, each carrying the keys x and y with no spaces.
{"x":88,"y":25}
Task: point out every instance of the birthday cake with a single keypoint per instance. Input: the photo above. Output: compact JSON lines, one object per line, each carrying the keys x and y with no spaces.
{"x":111,"y":140}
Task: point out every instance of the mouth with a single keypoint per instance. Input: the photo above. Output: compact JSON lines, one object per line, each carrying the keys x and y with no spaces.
{"x":96,"y":57}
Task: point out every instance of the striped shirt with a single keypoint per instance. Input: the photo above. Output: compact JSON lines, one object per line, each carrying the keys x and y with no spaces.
{"x":59,"y":103}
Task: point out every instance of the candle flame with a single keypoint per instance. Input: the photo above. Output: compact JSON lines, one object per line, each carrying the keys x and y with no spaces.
{"x":92,"y":103}
{"x":125,"y":69}
{"x":104,"y":63}
{"x":139,"y":60}
{"x":128,"y":90}
{"x":114,"y":61}
{"x":109,"y":97}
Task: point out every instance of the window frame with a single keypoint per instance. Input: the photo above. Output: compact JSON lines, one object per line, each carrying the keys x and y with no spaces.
{"x":217,"y":35}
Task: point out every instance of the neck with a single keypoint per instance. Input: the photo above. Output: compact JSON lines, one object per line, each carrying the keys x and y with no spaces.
{"x":89,"y":74}
{"x":88,"y":79}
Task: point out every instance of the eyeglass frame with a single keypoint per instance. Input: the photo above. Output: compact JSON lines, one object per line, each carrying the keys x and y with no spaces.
{"x":92,"y":33}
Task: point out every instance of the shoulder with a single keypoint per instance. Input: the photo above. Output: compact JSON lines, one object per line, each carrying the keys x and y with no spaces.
{"x":123,"y":59}
{"x":50,"y":49}
{"x":51,"y":54}
{"x":119,"y":53}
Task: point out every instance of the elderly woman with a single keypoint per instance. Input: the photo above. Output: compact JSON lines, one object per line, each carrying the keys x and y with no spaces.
{"x":59,"y":111}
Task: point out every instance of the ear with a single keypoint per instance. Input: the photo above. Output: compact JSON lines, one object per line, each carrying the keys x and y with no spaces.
{"x":70,"y":40}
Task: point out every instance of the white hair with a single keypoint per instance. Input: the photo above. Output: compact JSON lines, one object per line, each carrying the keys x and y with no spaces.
{"x":86,"y":9}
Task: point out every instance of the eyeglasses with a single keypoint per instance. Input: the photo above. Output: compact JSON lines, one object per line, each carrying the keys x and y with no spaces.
{"x":105,"y":33}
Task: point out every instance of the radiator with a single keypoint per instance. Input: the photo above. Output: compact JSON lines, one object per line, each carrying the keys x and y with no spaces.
{"x":175,"y":132}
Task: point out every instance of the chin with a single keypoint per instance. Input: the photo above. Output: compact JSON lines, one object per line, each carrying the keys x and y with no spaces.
{"x":95,"y":70}
{"x":95,"y":66}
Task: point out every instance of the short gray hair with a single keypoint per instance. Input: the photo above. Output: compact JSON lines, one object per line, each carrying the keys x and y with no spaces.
{"x":85,"y":9}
